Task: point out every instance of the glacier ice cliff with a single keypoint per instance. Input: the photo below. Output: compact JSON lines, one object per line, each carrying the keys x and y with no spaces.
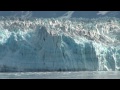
{"x":54,"y":44}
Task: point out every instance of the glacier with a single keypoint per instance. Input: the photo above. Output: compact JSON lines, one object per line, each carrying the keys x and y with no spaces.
{"x":59,"y":44}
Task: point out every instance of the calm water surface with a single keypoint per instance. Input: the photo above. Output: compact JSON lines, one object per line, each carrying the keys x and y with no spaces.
{"x":63,"y":75}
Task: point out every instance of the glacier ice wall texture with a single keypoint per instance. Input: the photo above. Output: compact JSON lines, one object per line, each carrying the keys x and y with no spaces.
{"x":53,"y":44}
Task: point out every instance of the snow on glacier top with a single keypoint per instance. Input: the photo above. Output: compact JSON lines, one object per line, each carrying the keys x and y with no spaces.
{"x":102,"y":30}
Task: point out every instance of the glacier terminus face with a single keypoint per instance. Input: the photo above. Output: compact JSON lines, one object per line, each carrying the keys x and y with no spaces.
{"x":59,"y":44}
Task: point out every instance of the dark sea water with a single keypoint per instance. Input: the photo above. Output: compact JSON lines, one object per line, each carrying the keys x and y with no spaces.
{"x":62,"y":75}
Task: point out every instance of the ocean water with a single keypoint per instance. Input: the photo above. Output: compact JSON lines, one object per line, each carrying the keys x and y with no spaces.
{"x":62,"y":75}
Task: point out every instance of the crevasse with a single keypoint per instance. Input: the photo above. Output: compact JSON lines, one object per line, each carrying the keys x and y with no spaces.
{"x":53,"y":44}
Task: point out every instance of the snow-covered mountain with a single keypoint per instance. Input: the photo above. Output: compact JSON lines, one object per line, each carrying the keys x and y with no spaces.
{"x":59,"y":44}
{"x":63,"y":14}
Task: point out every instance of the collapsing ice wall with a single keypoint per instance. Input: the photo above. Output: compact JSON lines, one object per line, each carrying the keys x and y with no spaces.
{"x":60,"y":44}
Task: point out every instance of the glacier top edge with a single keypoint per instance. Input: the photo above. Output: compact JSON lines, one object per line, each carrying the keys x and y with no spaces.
{"x":103,"y":29}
